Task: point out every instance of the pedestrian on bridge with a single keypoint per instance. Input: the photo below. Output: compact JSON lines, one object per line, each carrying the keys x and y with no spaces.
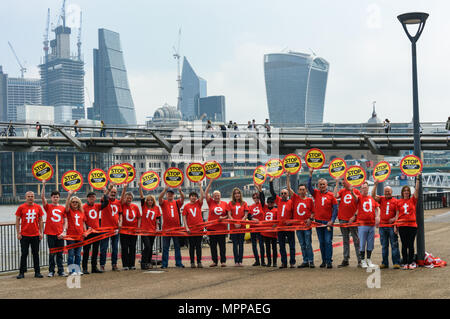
{"x":102,"y":129}
{"x":38,"y":129}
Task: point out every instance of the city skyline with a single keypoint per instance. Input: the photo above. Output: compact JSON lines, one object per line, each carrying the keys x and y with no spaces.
{"x":366,"y":47}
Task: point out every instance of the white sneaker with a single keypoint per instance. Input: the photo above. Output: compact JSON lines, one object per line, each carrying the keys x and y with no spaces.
{"x":50,"y":274}
{"x":370,"y":264}
{"x":363,"y":263}
{"x":80,"y":273}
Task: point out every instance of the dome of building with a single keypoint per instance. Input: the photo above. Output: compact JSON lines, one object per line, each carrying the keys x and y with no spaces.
{"x":167,"y":112}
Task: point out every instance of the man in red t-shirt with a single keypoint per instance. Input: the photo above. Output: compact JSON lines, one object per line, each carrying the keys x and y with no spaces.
{"x":54,"y":221}
{"x":217,"y":211}
{"x":171,"y":219}
{"x":91,"y":211}
{"x":388,"y":207}
{"x":192,"y":216}
{"x":29,"y":228}
{"x":347,"y":208}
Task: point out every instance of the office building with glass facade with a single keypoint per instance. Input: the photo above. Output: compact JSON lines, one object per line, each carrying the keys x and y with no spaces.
{"x":193,"y":88}
{"x":113,"y":102}
{"x":295,"y":88}
{"x":212,"y":108}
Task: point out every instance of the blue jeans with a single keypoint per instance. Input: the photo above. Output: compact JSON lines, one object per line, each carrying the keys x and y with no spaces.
{"x":114,"y":247}
{"x":326,"y":242}
{"x":74,"y":255}
{"x":387,"y":236}
{"x":238,"y":247}
{"x":165,"y":254}
{"x":304,"y":238}
{"x":256,"y":237}
{"x":282,"y":242}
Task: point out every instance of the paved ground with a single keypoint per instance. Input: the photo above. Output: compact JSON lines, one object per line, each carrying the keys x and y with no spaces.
{"x":256,"y":282}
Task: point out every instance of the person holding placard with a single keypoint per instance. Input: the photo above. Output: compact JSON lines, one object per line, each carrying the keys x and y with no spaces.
{"x":270,"y":238}
{"x":74,"y":226}
{"x":325,"y":213}
{"x":92,"y":213}
{"x":151,"y":216}
{"x":131,"y":218}
{"x":347,"y":208}
{"x":284,"y":206}
{"x":29,"y":229}
{"x":192,"y":216}
{"x":388,"y":208}
{"x":303,"y":211}
{"x":237,"y":209}
{"x":111,"y":218}
{"x":407,"y":225}
{"x":54,"y":223}
{"x":217,"y":212}
{"x":368,"y":217}
{"x":171,"y":219}
{"x":255,"y":213}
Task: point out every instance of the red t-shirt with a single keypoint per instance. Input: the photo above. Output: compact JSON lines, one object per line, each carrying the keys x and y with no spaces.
{"x":75,"y":222}
{"x":284,"y":208}
{"x":92,"y":215}
{"x":323,"y":205}
{"x":149,"y":216}
{"x":130,"y":215}
{"x":29,"y":216}
{"x":54,"y":220}
{"x":407,"y":211}
{"x":110,"y":214}
{"x":366,"y":210}
{"x":237,"y":210}
{"x":348,"y":204}
{"x":270,"y":214}
{"x":193,"y":213}
{"x":302,"y":207}
{"x":388,"y":207}
{"x":216,"y":211}
{"x":256,"y":211}
{"x":170,"y":214}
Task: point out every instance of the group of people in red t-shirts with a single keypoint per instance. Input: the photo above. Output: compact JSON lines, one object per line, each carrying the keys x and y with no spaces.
{"x":71,"y":221}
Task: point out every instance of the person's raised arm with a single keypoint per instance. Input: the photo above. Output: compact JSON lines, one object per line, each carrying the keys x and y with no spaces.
{"x":69,"y":195}
{"x":122,"y":195}
{"x":141,"y":193}
{"x":105,"y":201}
{"x":44,"y":201}
{"x":202,"y":193}
{"x":374,"y":191}
{"x":272,"y":191}
{"x":288,"y":185}
{"x":161,"y":196}
{"x":336,"y":188}
{"x":181,"y":196}
{"x":208,"y":188}
{"x":309,"y":184}
{"x":416,"y":190}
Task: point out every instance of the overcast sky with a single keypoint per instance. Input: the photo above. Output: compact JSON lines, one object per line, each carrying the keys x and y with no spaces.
{"x":368,"y":52}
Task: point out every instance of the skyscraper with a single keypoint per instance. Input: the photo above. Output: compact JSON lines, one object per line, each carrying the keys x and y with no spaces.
{"x":62,"y":75}
{"x":193,"y":88}
{"x":113,"y":102}
{"x":212,"y":108}
{"x":295,"y":87}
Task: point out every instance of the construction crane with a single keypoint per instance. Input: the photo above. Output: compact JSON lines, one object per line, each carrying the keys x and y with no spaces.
{"x":22,"y":69}
{"x":177,"y":57}
{"x":79,"y":38}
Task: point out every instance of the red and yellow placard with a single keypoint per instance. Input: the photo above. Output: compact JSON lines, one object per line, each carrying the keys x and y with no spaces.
{"x":42,"y":170}
{"x":149,"y":180}
{"x":72,"y":181}
{"x":381,"y":171}
{"x":337,"y":168}
{"x":173,"y":177}
{"x":131,"y":172}
{"x":259,"y":175}
{"x":355,"y":175}
{"x":315,"y":158}
{"x":97,"y":178}
{"x":411,"y":165}
{"x":292,"y":163}
{"x":195,"y":172}
{"x":213,"y":170}
{"x":118,"y":174}
{"x":274,"y":168}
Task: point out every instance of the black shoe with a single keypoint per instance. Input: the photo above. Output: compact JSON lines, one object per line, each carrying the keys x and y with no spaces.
{"x":304,"y":265}
{"x":329,"y":266}
{"x":323,"y":265}
{"x":180,"y":266}
{"x":96,"y":271}
{"x":86,"y":272}
{"x":311,"y":265}
{"x":20,"y":275}
{"x":343,"y":264}
{"x":256,"y":263}
{"x":268,"y":265}
{"x":263,"y":264}
{"x":274,"y":265}
{"x":283,"y":266}
{"x":292,"y":266}
{"x":38,"y":275}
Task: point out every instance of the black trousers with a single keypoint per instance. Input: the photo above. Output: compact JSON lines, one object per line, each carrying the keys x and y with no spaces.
{"x":87,"y":248}
{"x":215,"y":240}
{"x":269,"y":241}
{"x":25,"y":244}
{"x":147,"y":252}
{"x":257,"y":238}
{"x":195,"y":246}
{"x":54,"y":242}
{"x":407,"y":236}
{"x":128,"y":248}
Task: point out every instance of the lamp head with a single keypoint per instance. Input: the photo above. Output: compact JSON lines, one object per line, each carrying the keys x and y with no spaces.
{"x":413,"y":18}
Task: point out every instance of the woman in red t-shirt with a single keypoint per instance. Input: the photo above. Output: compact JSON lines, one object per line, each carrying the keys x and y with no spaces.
{"x":406,"y":223}
{"x":237,"y":209}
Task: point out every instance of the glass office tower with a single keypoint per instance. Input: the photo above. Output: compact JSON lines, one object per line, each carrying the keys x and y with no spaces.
{"x":193,"y":88}
{"x":295,"y":87}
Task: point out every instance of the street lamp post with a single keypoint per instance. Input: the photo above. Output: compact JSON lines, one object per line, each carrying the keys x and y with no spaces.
{"x":419,"y":19}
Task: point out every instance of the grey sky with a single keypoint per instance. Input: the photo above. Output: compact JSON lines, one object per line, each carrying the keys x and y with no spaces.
{"x":369,"y":54}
